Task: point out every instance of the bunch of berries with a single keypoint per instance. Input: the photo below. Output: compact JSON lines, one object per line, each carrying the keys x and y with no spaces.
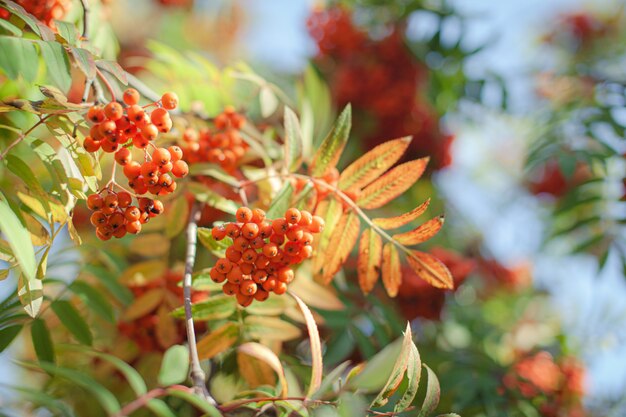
{"x":263,"y":252}
{"x":114,"y":216}
{"x":117,"y":129}
{"x":224,"y":146}
{"x":45,"y":10}
{"x":156,"y":330}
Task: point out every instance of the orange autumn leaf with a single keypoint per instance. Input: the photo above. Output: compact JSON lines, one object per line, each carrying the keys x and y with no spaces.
{"x":373,"y":164}
{"x":331,"y":211}
{"x":392,"y":184}
{"x":392,"y":273}
{"x":421,"y":233}
{"x":398,"y":221}
{"x":430,"y":269}
{"x":370,"y":257}
{"x":342,"y":241}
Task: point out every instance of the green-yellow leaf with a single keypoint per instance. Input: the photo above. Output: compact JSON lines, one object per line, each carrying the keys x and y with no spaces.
{"x":215,"y":308}
{"x":19,"y":239}
{"x":292,"y":148}
{"x":270,"y":328}
{"x":331,"y":148}
{"x":218,"y":340}
{"x":73,"y":321}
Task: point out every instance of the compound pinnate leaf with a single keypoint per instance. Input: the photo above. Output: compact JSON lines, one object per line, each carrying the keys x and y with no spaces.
{"x":265,"y":354}
{"x":433,"y":391}
{"x":342,"y":241}
{"x":369,"y":259}
{"x":399,"y":221}
{"x":218,"y":340}
{"x":430,"y":269}
{"x":371,"y":165}
{"x":331,"y":148}
{"x":391,"y":270}
{"x":421,"y":233}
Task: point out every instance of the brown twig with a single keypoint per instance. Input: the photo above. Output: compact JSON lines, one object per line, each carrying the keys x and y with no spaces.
{"x":106,"y":83}
{"x":22,"y":136}
{"x":85,"y":5}
{"x":197,"y":374}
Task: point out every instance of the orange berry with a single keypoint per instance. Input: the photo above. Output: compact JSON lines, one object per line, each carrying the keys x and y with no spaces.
{"x":306,"y":251}
{"x":270,"y":250}
{"x":140,"y":142}
{"x":223,"y":265}
{"x":111,"y":201}
{"x":233,"y":254}
{"x":261,"y":295}
{"x":244,"y":300}
{"x":95,"y":202}
{"x":107,"y":128}
{"x":180,"y":169}
{"x":248,"y":287}
{"x":123,"y":156}
{"x":280,"y":288}
{"x":232,"y":230}
{"x":132,"y":170}
{"x":133,"y":227}
{"x":161,"y":156}
{"x":157,"y":207}
{"x":280,"y":226}
{"x":149,"y":132}
{"x":277,"y":239}
{"x":217,"y":276}
{"x":306,"y":239}
{"x":169,"y":100}
{"x":159,"y":115}
{"x":246,"y":268}
{"x":131,"y":96}
{"x":104,"y":234}
{"x":95,"y":114}
{"x":90,"y":144}
{"x":269,"y":284}
{"x":230,"y":288}
{"x":250,"y":230}
{"x":164,"y":169}
{"x":136,"y":113}
{"x":292,"y":248}
{"x":240,"y":243}
{"x":124,"y":199}
{"x":116,"y":220}
{"x":114,"y":111}
{"x":166,"y":125}
{"x":257,"y":242}
{"x":294,"y":233}
{"x":149,"y":169}
{"x":305,"y":218}
{"x":293,"y":215}
{"x":98,"y":218}
{"x":108,"y":146}
{"x":265,"y":230}
{"x":243,"y":215}
{"x":259,"y":276}
{"x":132,"y":214}
{"x":258,"y":216}
{"x":249,"y":256}
{"x":218,"y":232}
{"x":176,"y":153}
{"x":234,"y":275}
{"x":285,"y":274}
{"x":317,"y":224}
{"x":120,"y":232}
{"x":261,"y":261}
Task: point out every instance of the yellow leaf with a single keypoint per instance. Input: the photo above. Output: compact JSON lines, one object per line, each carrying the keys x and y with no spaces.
{"x":342,"y":241}
{"x":39,"y":235}
{"x":143,"y":305}
{"x":392,"y":184}
{"x":430,"y":269}
{"x":270,"y":328}
{"x":398,"y":221}
{"x":218,"y":340}
{"x":421,"y":233}
{"x":150,"y":245}
{"x":143,"y":272}
{"x":331,"y":211}
{"x":317,"y":366}
{"x":392,"y":274}
{"x":266,"y":355}
{"x":255,"y":371}
{"x":373,"y":164}
{"x":370,"y":256}
{"x":166,"y":329}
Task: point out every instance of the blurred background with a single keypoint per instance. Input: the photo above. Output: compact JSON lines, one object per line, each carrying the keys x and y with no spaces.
{"x":521,"y":106}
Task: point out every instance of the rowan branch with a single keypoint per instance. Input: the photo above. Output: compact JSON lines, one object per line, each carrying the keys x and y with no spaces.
{"x":85,"y":5}
{"x":23,"y":135}
{"x":197,"y":374}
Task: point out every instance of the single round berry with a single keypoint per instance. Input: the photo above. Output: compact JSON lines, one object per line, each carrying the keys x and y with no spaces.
{"x":176,"y":153}
{"x":169,"y":101}
{"x":218,"y":232}
{"x":114,"y":110}
{"x":180,"y":169}
{"x":293,"y":215}
{"x":123,"y":156}
{"x":131,"y":96}
{"x":95,"y":202}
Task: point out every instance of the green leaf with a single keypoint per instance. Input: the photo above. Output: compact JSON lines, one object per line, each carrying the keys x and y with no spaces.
{"x":413,"y":372}
{"x":19,"y":58}
{"x":39,"y":28}
{"x":134,"y":378}
{"x":114,"y":69}
{"x":175,"y":366}
{"x":104,"y":396}
{"x":109,"y":281}
{"x":94,"y":300}
{"x":176,"y":217}
{"x":216,"y":247}
{"x":57,"y":64}
{"x":67,"y":31}
{"x":268,"y":100}
{"x":433,"y":391}
{"x":85,"y":61}
{"x":330,"y":379}
{"x":42,"y":342}
{"x":270,"y":328}
{"x":35,"y":396}
{"x":331,"y":148}
{"x":215,"y":308}
{"x":8,"y":334}
{"x":397,"y":373}
{"x":281,"y":202}
{"x":205,"y":195}
{"x":196,"y":401}
{"x":292,"y":148}
{"x":378,"y":369}
{"x":72,"y":319}
{"x":30,"y":293}
{"x":5,"y":24}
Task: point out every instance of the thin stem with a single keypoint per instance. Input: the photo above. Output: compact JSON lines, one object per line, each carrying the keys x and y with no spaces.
{"x":85,"y":5}
{"x":106,"y":83}
{"x":88,"y":83}
{"x":22,"y":136}
{"x":197,"y":374}
{"x":237,"y":404}
{"x":143,"y":400}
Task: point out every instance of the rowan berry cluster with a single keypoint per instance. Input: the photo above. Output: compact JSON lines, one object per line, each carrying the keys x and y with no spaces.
{"x":46,"y":10}
{"x":223,"y":146}
{"x":381,"y":78}
{"x":263,"y":252}
{"x":118,"y":129}
{"x":114,"y":216}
